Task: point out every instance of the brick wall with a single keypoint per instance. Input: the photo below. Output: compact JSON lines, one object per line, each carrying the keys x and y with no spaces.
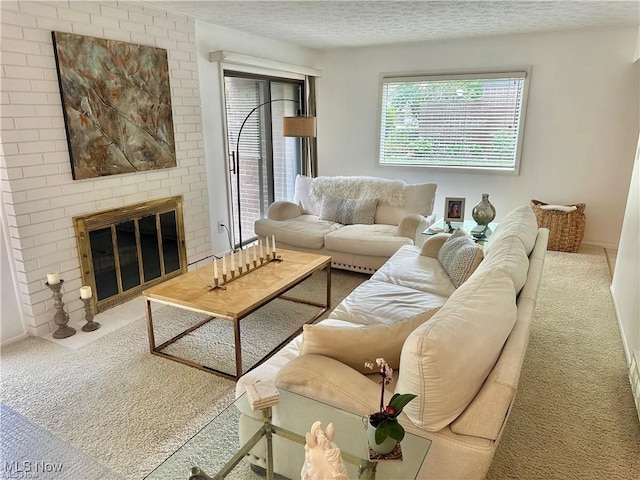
{"x":39,"y":195}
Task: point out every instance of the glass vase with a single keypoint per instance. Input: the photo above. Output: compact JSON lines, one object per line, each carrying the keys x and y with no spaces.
{"x":484,"y":212}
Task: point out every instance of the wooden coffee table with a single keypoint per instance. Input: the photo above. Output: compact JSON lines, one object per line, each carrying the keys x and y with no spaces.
{"x":240,"y":297}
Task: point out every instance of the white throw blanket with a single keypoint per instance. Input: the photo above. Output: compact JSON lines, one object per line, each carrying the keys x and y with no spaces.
{"x":388,"y":191}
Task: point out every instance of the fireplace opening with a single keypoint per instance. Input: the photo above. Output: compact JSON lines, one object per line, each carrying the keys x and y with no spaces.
{"x":125,"y":250}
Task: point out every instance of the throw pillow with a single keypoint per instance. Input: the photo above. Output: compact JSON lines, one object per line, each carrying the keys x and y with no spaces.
{"x":348,"y":211}
{"x":354,"y":346}
{"x":459,"y":256}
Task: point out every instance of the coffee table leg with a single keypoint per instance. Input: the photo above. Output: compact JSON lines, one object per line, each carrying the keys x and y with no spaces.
{"x":236,"y":334}
{"x":152,"y":339}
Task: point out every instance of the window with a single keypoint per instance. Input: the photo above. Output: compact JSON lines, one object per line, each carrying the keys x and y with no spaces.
{"x":455,"y":121}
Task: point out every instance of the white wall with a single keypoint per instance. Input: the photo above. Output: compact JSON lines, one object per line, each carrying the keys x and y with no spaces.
{"x":625,"y":287}
{"x":38,"y":192}
{"x":580,"y":132}
{"x":211,"y":38}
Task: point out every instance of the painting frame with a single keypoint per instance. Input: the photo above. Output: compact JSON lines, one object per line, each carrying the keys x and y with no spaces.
{"x":116,"y":101}
{"x":454,"y":209}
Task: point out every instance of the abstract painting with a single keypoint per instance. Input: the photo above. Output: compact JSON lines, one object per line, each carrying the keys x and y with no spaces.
{"x":116,"y":100}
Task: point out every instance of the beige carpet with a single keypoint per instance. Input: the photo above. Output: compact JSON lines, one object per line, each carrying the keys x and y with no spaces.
{"x":574,"y":416}
{"x":111,"y":400}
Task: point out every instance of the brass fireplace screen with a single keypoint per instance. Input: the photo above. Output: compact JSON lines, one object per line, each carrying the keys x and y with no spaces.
{"x":125,"y":250}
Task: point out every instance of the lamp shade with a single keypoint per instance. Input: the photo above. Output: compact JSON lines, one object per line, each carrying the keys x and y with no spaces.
{"x":299,"y":127}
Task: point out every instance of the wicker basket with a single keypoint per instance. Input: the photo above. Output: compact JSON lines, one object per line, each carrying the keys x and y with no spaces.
{"x":566,"y":229}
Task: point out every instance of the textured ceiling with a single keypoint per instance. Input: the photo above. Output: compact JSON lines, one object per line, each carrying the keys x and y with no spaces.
{"x":337,"y":24}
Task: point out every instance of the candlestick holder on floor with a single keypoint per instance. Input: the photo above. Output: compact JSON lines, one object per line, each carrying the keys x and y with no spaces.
{"x":61,"y":318}
{"x":90,"y":326}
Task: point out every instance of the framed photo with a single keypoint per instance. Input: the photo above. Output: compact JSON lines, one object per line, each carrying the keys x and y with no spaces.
{"x":454,"y":209}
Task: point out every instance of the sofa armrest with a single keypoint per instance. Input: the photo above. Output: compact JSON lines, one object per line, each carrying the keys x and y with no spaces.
{"x":283,"y":210}
{"x":431,"y":247}
{"x":412,"y":226}
{"x":330,"y":381}
{"x":431,"y":219}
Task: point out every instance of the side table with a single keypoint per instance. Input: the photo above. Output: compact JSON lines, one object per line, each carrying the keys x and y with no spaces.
{"x":216,"y":451}
{"x":479,"y":234}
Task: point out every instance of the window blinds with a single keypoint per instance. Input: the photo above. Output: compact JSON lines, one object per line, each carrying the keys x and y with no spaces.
{"x":453,"y":121}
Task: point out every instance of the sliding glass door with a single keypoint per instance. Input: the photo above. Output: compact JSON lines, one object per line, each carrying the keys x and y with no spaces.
{"x":263,"y":164}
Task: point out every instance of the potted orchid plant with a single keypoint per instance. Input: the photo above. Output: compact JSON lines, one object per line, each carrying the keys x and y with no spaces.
{"x":388,"y":430}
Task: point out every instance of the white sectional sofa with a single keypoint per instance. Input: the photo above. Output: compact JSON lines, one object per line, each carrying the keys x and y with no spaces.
{"x":458,"y":343}
{"x":359,"y":221}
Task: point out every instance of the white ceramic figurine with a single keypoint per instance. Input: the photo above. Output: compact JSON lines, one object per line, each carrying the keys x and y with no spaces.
{"x":322,"y":458}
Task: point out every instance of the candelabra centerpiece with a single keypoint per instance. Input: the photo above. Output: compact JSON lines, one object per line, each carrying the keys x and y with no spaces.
{"x":243,"y":262}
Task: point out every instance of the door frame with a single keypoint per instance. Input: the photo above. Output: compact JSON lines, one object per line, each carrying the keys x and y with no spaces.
{"x":268,"y":130}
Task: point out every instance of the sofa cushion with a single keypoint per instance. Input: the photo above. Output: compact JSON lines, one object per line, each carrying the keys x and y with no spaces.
{"x":418,"y":198}
{"x":348,"y":211}
{"x":485,"y":416}
{"x":374,"y":302}
{"x":355,"y":346}
{"x":303,"y":231}
{"x":509,"y":253}
{"x":330,"y":381}
{"x":407,"y":267}
{"x":520,"y":222}
{"x":302,"y":196}
{"x":373,"y":240}
{"x":446,"y":360}
{"x":459,"y":256}
{"x":511,"y":244}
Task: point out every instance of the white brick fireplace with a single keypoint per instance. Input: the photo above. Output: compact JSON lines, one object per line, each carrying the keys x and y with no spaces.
{"x":39,"y":195}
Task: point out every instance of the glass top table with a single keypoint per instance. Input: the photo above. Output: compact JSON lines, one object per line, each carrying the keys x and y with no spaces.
{"x":479,"y":233}
{"x":215,"y":451}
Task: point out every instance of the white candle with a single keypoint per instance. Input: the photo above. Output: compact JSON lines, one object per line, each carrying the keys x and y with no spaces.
{"x":273,"y":244}
{"x":261,"y":249}
{"x":267,"y":247}
{"x":85,"y":292}
{"x":215,"y":268}
{"x":255,"y":253}
{"x":53,"y":278}
{"x":233,"y":262}
{"x":247,"y":257}
{"x":224,"y":265}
